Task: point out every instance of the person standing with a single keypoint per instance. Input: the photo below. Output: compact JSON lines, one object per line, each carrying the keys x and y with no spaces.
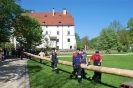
{"x":1,"y":55}
{"x":83,"y":61}
{"x":97,"y":60}
{"x":54,"y":60}
{"x":76,"y":64}
{"x":21,"y":53}
{"x":41,"y":54}
{"x":74,"y":70}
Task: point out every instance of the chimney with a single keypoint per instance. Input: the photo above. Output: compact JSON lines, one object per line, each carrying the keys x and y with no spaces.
{"x":64,"y":11}
{"x":32,"y":11}
{"x":53,"y":12}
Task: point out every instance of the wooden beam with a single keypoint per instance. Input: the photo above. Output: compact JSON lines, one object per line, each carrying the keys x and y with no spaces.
{"x":113,"y":71}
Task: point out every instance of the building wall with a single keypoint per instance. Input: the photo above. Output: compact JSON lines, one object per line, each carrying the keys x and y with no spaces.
{"x":63,"y":35}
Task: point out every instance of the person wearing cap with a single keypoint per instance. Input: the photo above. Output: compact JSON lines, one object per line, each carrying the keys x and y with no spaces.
{"x":76,"y":64}
{"x":83,"y":61}
{"x":54,"y":60}
{"x":97,"y":59}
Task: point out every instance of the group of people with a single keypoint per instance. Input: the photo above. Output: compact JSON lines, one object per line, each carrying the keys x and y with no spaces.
{"x":4,"y":53}
{"x":53,"y":58}
{"x":79,"y":57}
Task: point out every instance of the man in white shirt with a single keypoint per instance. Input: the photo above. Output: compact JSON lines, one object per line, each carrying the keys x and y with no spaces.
{"x":41,"y":54}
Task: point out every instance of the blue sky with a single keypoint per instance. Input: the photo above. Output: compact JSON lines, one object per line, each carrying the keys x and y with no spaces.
{"x":90,"y":16}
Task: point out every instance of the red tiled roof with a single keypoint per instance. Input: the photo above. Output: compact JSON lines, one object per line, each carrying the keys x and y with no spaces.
{"x":47,"y":18}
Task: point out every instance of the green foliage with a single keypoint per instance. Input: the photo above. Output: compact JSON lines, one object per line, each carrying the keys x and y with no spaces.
{"x":130,"y":26}
{"x":28,"y":31}
{"x":130,"y":23}
{"x":94,"y":43}
{"x":8,"y":12}
{"x":78,"y":41}
{"x":131,"y":50}
{"x":108,"y":39}
{"x":41,"y":75}
{"x":78,"y":45}
{"x":85,"y":42}
{"x":124,"y":48}
{"x":77,"y":37}
{"x":123,"y":36}
{"x":7,"y":45}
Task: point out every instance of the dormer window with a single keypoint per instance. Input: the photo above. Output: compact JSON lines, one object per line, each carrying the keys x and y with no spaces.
{"x":45,"y":15}
{"x":43,"y":23}
{"x":60,"y":22}
{"x":59,"y":15}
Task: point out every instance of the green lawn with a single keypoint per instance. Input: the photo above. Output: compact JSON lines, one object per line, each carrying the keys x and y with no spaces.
{"x":41,"y":75}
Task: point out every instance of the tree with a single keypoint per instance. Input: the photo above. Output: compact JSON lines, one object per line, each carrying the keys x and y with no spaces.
{"x":85,"y":42}
{"x":130,"y":26}
{"x":28,"y":31}
{"x":108,"y":39}
{"x":8,"y":12}
{"x":123,"y":36}
{"x":94,"y":43}
{"x":77,"y":37}
{"x":116,"y":25}
{"x":78,"y":41}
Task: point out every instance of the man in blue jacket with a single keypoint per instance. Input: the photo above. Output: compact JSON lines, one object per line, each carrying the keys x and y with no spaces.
{"x":76,"y":64}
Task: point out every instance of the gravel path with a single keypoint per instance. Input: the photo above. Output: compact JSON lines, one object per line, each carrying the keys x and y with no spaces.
{"x":13,"y":73}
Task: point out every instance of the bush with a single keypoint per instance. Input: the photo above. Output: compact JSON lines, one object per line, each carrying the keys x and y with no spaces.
{"x":124,"y":49}
{"x":131,"y":50}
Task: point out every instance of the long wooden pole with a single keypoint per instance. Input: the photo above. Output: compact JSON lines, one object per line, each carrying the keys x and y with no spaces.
{"x":113,"y":71}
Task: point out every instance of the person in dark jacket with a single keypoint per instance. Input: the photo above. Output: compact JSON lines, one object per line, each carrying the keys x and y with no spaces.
{"x":76,"y":64}
{"x":83,"y":61}
{"x":97,"y":59}
{"x":54,"y":60}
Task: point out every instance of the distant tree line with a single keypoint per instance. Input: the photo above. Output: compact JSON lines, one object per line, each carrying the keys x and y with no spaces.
{"x":113,"y":37}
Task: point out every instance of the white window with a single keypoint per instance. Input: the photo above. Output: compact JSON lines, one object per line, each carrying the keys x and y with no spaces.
{"x":68,"y":40}
{"x":57,"y":47}
{"x":68,"y":32}
{"x":57,"y":32}
{"x":57,"y":40}
{"x":46,"y":33}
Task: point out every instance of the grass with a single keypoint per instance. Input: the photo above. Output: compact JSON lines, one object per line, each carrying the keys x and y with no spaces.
{"x":41,"y":75}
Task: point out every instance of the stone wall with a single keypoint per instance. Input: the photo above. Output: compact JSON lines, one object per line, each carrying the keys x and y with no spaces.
{"x":88,"y":51}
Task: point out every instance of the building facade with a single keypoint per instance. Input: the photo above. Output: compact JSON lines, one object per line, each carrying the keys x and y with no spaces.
{"x":58,"y":28}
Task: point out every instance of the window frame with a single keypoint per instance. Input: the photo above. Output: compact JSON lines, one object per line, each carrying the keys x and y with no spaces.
{"x":46,"y":32}
{"x":68,"y":32}
{"x":68,"y":40}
